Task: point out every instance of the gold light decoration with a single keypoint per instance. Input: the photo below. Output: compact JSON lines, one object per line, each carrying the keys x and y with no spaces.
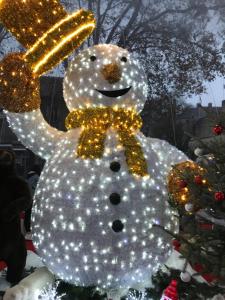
{"x":96,"y":121}
{"x":111,"y":72}
{"x":182,"y":195}
{"x":28,"y":20}
{"x":19,"y":87}
{"x":57,"y":43}
{"x":45,"y":28}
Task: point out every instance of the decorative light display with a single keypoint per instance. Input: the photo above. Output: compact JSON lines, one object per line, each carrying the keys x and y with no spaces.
{"x":45,"y":28}
{"x":181,"y":193}
{"x":92,"y":219}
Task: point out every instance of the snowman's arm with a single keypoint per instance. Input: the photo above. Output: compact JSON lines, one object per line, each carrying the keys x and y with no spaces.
{"x":168,"y":155}
{"x":34,"y":132}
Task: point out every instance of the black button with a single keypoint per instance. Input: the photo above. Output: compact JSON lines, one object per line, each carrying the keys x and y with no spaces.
{"x":93,"y":58}
{"x":115,"y":166}
{"x":117,"y":226}
{"x":124,"y":59}
{"x":114,"y":198}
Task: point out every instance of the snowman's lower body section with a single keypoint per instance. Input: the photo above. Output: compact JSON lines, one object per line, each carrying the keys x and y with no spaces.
{"x":86,"y":238}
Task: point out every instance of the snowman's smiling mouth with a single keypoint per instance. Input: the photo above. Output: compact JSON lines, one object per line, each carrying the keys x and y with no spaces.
{"x":115,"y":93}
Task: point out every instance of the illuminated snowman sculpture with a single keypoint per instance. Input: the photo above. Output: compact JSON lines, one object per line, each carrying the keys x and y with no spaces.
{"x":103,"y":186}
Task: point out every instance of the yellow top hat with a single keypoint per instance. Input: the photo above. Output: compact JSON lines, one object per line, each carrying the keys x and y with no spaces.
{"x":48,"y":32}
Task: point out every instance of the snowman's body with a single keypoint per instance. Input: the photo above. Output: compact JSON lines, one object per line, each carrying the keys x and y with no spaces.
{"x":92,"y":223}
{"x":73,"y":206}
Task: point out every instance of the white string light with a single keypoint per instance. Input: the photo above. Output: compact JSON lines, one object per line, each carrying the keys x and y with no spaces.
{"x":50,"y":293}
{"x":133,"y":295}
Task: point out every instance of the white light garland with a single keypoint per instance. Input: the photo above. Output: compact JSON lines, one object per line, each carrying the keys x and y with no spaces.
{"x":133,"y":296}
{"x":50,"y":293}
{"x":73,"y":217}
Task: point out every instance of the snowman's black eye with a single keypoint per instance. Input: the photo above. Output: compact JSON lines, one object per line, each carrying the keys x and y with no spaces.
{"x":124,"y":59}
{"x":93,"y":58}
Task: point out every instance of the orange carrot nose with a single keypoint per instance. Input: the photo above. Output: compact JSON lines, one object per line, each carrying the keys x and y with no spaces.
{"x":111,"y":72}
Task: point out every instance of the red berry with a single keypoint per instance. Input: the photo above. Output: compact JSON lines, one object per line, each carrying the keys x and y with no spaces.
{"x":198,"y":179}
{"x":218,"y":129}
{"x":182,"y":184}
{"x":176,"y":244}
{"x":219,"y":196}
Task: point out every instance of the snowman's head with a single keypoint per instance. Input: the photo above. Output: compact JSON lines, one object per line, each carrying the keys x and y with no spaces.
{"x":105,"y":75}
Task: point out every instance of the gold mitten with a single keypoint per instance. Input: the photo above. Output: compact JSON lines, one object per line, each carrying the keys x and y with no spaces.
{"x":19,"y":86}
{"x":178,"y":180}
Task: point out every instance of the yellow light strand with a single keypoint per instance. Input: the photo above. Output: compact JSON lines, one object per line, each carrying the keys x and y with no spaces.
{"x":58,"y":24}
{"x":60,"y":45}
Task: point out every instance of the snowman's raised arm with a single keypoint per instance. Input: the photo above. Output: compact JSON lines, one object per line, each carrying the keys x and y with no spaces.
{"x":20,"y":99}
{"x":34,"y":132}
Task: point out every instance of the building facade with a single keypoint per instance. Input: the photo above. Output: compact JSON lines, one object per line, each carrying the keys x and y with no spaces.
{"x":199,"y":122}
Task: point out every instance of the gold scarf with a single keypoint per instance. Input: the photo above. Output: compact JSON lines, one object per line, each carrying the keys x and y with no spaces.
{"x":96,"y":121}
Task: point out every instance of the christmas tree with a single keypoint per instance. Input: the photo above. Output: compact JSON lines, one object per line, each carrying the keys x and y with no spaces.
{"x":197,"y":191}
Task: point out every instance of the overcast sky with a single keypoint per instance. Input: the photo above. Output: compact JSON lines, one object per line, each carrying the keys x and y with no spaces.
{"x":215,"y":93}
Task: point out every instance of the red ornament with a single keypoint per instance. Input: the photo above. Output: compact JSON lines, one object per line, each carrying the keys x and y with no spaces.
{"x":208,"y":277}
{"x":176,"y":244}
{"x":219,"y":196}
{"x":206,"y":226}
{"x":182,"y":184}
{"x":198,"y":179}
{"x":218,"y":129}
{"x":170,"y":292}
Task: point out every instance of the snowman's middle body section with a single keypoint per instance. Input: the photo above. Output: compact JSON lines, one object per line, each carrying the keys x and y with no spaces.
{"x":73,"y":216}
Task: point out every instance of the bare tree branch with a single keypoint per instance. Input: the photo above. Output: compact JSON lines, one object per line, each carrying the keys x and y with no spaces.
{"x":98,"y":28}
{"x":101,"y":19}
{"x":119,"y":20}
{"x":182,"y":11}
